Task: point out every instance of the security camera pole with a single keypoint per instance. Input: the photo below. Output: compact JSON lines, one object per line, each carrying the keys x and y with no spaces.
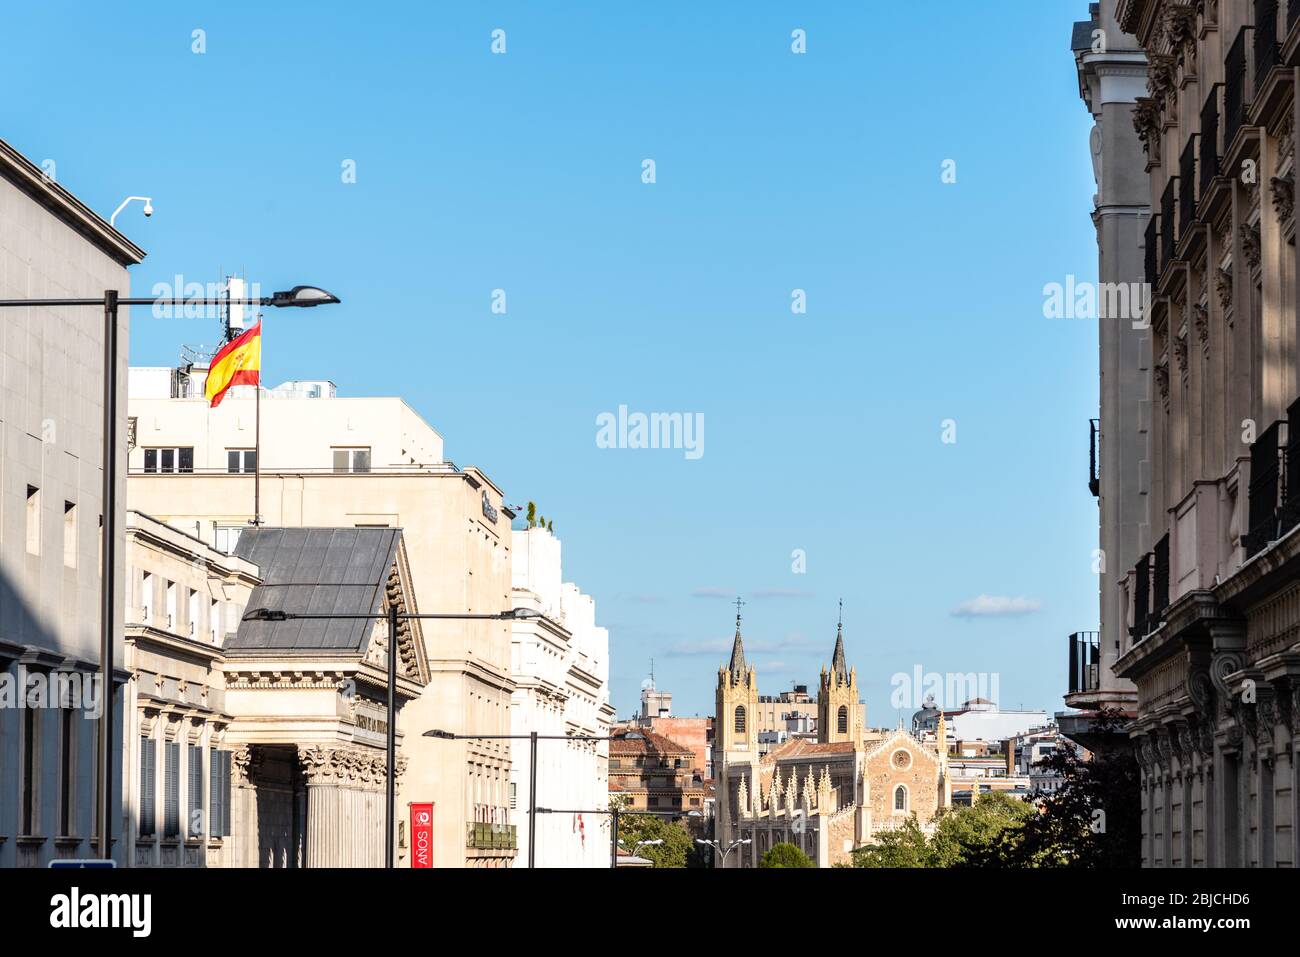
{"x":297,"y":296}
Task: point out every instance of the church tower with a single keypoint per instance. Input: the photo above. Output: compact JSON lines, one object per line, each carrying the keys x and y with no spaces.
{"x":839,"y":714}
{"x":736,"y":733}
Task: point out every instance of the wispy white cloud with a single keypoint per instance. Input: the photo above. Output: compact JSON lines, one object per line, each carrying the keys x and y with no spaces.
{"x":711,"y":592}
{"x":996,"y":606}
{"x":782,"y":593}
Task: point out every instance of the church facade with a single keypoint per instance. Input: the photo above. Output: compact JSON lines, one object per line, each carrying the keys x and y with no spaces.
{"x":826,"y":797}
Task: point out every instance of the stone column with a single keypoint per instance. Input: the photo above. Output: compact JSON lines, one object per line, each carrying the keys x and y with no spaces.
{"x":345,"y":806}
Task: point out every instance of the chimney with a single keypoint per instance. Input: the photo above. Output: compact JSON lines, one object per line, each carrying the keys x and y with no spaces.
{"x":1010,"y":746}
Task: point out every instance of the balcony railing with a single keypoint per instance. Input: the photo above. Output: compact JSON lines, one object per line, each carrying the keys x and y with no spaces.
{"x":1152,"y":244}
{"x":1187,"y":185}
{"x":1094,"y":457}
{"x":1234,"y":88}
{"x":491,"y":837}
{"x":1268,"y":51}
{"x":1159,"y":580}
{"x":1141,"y":599}
{"x":1266,"y":487}
{"x":1085,"y":661}
{"x":1289,"y":515}
{"x":1210,"y":137}
{"x":1168,"y":236}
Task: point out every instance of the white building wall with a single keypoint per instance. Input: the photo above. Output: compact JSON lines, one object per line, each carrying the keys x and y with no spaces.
{"x":561,"y":672}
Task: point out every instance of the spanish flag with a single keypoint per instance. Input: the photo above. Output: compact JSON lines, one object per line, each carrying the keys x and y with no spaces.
{"x":238,"y":363}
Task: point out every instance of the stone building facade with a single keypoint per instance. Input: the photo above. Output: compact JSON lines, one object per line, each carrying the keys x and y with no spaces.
{"x":1213,"y":602}
{"x":828,"y":796}
{"x":51,"y":482}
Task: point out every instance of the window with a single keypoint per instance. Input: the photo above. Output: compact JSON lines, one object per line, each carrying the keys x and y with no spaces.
{"x":70,"y":534}
{"x":214,"y":621}
{"x":148,"y":769}
{"x":171,"y":605}
{"x":169,"y":460}
{"x":226,"y":537}
{"x":241,"y":460}
{"x":194,"y":826}
{"x":146,"y":598}
{"x":512,"y":795}
{"x":67,"y":768}
{"x":351,"y":460}
{"x":740,"y":719}
{"x":29,"y":766}
{"x":219,"y":815}
{"x":33,"y":520}
{"x":900,"y":798}
{"x":842,"y":721}
{"x":172,"y":789}
{"x":193,"y":621}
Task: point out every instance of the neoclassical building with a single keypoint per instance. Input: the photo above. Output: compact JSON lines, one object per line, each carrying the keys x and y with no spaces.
{"x":827,"y":796}
{"x":1212,"y":603}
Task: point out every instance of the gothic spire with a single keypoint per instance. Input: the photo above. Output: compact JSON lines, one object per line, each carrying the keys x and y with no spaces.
{"x":839,"y":666}
{"x":737,"y":666}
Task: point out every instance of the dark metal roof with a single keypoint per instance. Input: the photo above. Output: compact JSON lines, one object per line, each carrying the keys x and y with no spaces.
{"x":1081,"y":36}
{"x":341,"y":571}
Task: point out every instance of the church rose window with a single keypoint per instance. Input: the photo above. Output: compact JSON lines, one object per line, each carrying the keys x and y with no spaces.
{"x":902,"y":759}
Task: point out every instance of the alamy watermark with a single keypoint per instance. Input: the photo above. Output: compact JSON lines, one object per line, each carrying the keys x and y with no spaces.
{"x":949,"y":689}
{"x":653,"y":430}
{"x":1073,"y":299}
{"x":60,"y":689}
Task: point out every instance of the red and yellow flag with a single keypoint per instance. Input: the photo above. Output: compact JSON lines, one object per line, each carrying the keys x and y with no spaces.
{"x":238,"y":363}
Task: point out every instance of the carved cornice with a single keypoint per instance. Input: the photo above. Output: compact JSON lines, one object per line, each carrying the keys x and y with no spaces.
{"x":346,"y":767}
{"x":1146,"y":122}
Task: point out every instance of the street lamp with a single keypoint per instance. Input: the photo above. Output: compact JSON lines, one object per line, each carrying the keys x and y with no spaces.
{"x":640,"y":844}
{"x":393,"y":616}
{"x":717,"y":846}
{"x":532,"y":738}
{"x":108,"y":590}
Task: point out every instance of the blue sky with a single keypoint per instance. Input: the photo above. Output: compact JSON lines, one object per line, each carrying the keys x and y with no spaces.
{"x":775,"y":171}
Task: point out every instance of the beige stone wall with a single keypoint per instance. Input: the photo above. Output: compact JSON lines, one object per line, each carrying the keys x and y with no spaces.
{"x":921,"y":778}
{"x":460,"y":562}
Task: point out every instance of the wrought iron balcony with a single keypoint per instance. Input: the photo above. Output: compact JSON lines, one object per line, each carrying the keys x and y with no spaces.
{"x":1085,"y":661}
{"x":1289,"y":516}
{"x":491,"y":837}
{"x":1159,"y":580}
{"x":1141,"y":599}
{"x":1268,"y":51}
{"x":1266,"y":487}
{"x":1234,"y":88}
{"x":1094,"y":457}
{"x":1168,"y":236}
{"x":1152,"y":244}
{"x":1210,"y":154}
{"x":1187,"y":185}
{"x":1292,"y":14}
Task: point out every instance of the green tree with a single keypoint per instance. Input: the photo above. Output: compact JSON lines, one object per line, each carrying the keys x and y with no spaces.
{"x":1092,"y":819}
{"x":785,"y":855}
{"x":675,"y":851}
{"x":904,"y":846}
{"x":963,"y":836}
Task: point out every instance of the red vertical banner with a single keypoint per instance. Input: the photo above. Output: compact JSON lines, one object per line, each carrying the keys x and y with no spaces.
{"x":422,"y":835}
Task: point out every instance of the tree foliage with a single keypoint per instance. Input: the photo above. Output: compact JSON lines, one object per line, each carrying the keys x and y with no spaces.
{"x":785,"y":855}
{"x":677,"y":849}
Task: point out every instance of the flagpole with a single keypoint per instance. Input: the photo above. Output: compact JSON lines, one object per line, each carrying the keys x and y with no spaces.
{"x":257,"y":430}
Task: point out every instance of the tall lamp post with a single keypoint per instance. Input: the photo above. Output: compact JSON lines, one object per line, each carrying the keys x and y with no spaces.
{"x":717,"y":846}
{"x":614,"y":813}
{"x":393,"y":616}
{"x":532,"y":738}
{"x":297,"y":296}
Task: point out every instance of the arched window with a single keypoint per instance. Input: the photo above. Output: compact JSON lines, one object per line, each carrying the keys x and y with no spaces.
{"x":740,"y":719}
{"x":900,"y":798}
{"x":844,"y":719}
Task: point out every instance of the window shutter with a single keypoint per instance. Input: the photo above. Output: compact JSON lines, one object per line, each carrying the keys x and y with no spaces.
{"x":225,"y":793}
{"x":196,"y":826}
{"x":172,"y":789}
{"x":219,"y":817}
{"x":147,"y":756}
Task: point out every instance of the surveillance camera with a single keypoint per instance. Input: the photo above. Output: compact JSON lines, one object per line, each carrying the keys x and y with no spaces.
{"x":148,"y":209}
